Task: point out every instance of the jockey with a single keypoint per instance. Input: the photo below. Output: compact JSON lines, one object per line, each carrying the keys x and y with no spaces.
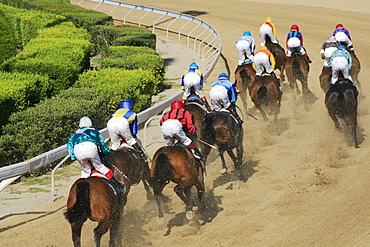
{"x":265,"y":60}
{"x":342,"y":35}
{"x":223,"y":95}
{"x":174,"y":123}
{"x":327,"y":49}
{"x":193,"y":78}
{"x":83,"y":145}
{"x":294,"y":42}
{"x":122,"y":127}
{"x":245,"y":47}
{"x":268,"y":29}
{"x":341,"y":61}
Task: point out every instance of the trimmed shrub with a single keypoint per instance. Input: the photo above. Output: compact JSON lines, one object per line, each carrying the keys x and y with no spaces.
{"x":7,"y":39}
{"x":50,"y":123}
{"x":122,"y":51}
{"x":137,"y":85}
{"x":19,"y":91}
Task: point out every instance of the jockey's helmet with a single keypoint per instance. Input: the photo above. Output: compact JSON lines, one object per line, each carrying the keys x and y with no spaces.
{"x":294,"y":28}
{"x":85,"y":122}
{"x":177,"y":104}
{"x":341,"y":47}
{"x":223,"y":76}
{"x":247,"y":33}
{"x":126,"y":103}
{"x":268,"y":19}
{"x":338,"y":26}
{"x":194,"y":65}
{"x":263,"y":48}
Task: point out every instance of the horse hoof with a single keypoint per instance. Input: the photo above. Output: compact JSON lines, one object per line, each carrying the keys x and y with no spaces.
{"x":189,"y":215}
{"x":222,"y":171}
{"x":160,"y":221}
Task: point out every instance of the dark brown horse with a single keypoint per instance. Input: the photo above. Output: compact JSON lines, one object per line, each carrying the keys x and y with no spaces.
{"x":244,"y":75}
{"x":197,"y":110}
{"x":297,"y":68}
{"x":341,"y":102}
{"x":176,"y":163}
{"x":221,"y":129}
{"x":325,"y":76}
{"x":265,"y":93}
{"x":279,"y":54}
{"x":94,"y":198}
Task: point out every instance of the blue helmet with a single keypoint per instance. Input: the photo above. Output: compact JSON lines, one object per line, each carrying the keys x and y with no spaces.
{"x":194,"y":65}
{"x":223,"y":76}
{"x":247,"y":33}
{"x":341,"y":47}
{"x":126,"y":103}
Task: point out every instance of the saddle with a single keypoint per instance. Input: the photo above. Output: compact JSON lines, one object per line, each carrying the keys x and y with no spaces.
{"x":114,"y":187}
{"x":227,"y":111}
{"x":247,"y":61}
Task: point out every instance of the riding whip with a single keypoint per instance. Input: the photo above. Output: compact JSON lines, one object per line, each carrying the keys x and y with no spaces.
{"x":206,"y":143}
{"x":247,"y":113}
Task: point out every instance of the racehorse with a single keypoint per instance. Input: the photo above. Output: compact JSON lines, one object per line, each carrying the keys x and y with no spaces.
{"x":297,"y":68}
{"x":221,"y":129}
{"x":244,"y":75}
{"x":265,"y":92}
{"x":279,"y":54}
{"x":341,"y":102}
{"x":197,"y":110}
{"x":176,"y":163}
{"x":95,"y":199}
{"x":325,"y":76}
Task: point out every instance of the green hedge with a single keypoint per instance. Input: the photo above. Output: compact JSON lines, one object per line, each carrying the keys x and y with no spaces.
{"x":61,"y":52}
{"x":8,"y":47}
{"x":137,"y":85}
{"x":19,"y":91}
{"x":50,"y":123}
{"x":26,"y":23}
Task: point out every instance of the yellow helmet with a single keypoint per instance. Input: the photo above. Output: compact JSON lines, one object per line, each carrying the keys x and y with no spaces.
{"x":268,"y":19}
{"x":263,"y":48}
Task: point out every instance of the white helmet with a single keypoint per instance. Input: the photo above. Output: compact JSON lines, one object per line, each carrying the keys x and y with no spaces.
{"x":85,"y":122}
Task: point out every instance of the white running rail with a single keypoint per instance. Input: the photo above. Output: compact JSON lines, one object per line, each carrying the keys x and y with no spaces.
{"x":197,"y":34}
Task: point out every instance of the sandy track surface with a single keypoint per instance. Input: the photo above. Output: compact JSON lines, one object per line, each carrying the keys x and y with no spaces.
{"x":304,"y":187}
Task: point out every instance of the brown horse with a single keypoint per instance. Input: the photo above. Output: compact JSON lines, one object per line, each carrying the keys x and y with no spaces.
{"x":265,"y":92}
{"x":279,"y":54}
{"x":244,"y":75}
{"x":297,"y":68}
{"x":197,"y":110}
{"x":95,"y":199}
{"x":326,"y":73}
{"x":176,"y":163}
{"x":221,"y":129}
{"x":341,"y":102}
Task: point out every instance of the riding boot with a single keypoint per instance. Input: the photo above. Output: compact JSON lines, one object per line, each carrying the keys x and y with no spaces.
{"x":197,"y":154}
{"x":120,"y":187}
{"x":205,"y":103}
{"x":137,"y":147}
{"x":275,"y":77}
{"x":233,"y":112}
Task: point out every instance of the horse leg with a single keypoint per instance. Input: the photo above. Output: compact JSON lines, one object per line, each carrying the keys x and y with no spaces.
{"x":234,"y":158}
{"x":335,"y":120}
{"x":100,"y":230}
{"x":224,"y":167}
{"x":185,"y":196}
{"x":145,"y":177}
{"x":205,"y":150}
{"x":199,"y":184}
{"x":76,"y":234}
{"x":260,"y":108}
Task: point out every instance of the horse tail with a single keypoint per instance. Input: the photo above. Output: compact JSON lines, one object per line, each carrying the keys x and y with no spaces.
{"x":207,"y":129}
{"x":297,"y":69}
{"x":342,"y":105}
{"x":81,"y":208}
{"x":162,"y":171}
{"x":262,"y":95}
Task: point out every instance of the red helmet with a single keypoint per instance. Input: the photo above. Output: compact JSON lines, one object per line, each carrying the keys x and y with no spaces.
{"x":338,"y":26}
{"x":177,"y":104}
{"x":294,"y":28}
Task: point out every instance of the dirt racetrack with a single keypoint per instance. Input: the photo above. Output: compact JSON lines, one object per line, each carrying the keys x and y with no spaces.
{"x":304,"y":187}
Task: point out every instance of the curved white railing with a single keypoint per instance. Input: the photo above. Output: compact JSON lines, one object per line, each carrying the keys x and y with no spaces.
{"x":206,"y":42}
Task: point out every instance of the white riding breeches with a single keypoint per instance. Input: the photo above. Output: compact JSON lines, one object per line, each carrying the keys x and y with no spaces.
{"x":343,"y":38}
{"x":339,"y":64}
{"x":118,"y":128}
{"x":171,"y":130}
{"x":294,"y":44}
{"x":219,"y":97}
{"x":327,"y":53}
{"x":244,"y":51}
{"x":86,"y":152}
{"x":192,"y":79}
{"x":266,"y":30}
{"x":261,"y":60}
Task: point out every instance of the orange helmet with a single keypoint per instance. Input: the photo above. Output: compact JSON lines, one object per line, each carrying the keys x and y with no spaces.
{"x":294,"y":28}
{"x":177,"y":104}
{"x":338,"y":26}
